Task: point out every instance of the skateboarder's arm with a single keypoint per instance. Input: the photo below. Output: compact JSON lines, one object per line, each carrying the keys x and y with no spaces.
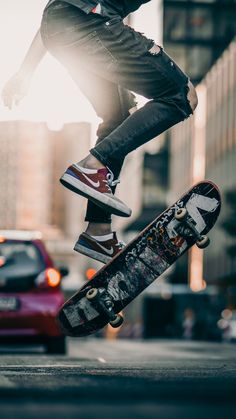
{"x":33,"y":56}
{"x":17,"y":86}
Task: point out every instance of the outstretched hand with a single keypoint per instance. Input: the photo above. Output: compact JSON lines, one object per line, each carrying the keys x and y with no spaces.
{"x":15,"y":89}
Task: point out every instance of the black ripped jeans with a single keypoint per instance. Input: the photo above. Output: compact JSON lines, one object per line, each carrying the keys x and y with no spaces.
{"x":108,"y":60}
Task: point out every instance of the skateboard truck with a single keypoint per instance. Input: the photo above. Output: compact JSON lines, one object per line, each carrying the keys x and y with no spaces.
{"x":187,"y":228}
{"x":103,"y":303}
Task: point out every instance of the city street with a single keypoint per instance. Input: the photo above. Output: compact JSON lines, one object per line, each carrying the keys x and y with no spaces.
{"x":100,"y":379}
{"x":147,"y":83}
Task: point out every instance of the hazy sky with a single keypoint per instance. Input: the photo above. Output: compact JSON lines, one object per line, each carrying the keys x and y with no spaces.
{"x":53,"y":96}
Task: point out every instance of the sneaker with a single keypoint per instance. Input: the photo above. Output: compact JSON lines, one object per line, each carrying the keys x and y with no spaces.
{"x":102,"y":248}
{"x":95,"y":185}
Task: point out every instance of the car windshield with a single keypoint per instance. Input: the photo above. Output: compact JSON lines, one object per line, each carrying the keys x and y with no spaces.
{"x":19,"y":259}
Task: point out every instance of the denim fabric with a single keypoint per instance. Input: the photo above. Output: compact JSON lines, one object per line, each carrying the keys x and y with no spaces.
{"x":108,"y":59}
{"x":107,"y":8}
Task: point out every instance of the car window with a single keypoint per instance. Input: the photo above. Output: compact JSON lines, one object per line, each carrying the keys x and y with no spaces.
{"x":19,"y":259}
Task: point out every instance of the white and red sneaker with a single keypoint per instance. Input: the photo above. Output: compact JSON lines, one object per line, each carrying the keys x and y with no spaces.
{"x":95,"y":185}
{"x":101,"y":248}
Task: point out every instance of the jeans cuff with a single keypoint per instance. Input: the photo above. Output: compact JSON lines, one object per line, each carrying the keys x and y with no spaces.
{"x":99,"y":157}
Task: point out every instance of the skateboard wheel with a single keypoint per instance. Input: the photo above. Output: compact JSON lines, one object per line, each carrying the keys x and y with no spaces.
{"x":181,"y":214}
{"x":92,"y":294}
{"x":203,"y":242}
{"x":117,"y":322}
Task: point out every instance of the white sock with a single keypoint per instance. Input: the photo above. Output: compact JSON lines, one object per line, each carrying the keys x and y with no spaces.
{"x":103,"y":238}
{"x":86,"y":170}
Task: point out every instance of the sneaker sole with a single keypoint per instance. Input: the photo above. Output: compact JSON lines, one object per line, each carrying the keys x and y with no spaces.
{"x":91,"y":253}
{"x":108,"y":204}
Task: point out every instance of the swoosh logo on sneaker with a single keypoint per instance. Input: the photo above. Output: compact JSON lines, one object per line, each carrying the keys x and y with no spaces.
{"x":108,"y":251}
{"x":94,"y":184}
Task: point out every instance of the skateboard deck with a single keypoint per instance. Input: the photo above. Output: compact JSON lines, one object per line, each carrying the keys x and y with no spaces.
{"x":142,"y":261}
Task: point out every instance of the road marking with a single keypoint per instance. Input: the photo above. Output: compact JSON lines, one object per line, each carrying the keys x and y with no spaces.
{"x":102,"y":360}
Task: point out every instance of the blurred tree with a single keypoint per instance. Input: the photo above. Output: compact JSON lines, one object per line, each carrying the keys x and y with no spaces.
{"x":229,"y":225}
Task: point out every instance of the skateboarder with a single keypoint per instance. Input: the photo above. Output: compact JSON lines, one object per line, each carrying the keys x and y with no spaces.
{"x":108,"y":60}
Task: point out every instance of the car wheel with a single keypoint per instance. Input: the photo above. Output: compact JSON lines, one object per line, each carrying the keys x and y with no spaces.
{"x":56,"y":345}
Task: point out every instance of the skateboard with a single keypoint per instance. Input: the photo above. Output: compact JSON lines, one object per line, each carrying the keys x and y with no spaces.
{"x":142,"y":261}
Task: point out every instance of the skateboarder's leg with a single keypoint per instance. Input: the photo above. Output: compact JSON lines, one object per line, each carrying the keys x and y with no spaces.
{"x":155,"y":76}
{"x":118,"y":54}
{"x":112,"y":104}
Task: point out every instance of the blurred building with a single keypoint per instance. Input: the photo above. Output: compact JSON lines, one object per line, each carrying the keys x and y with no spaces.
{"x":32,"y":160}
{"x":153,"y":186}
{"x":25,"y":171}
{"x":204,"y":146}
{"x":69,"y":145}
{"x":196,"y":32}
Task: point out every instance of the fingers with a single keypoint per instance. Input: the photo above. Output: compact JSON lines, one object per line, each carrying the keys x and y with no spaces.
{"x":8,"y":95}
{"x":9,"y":102}
{"x":7,"y":99}
{"x":12,"y":93}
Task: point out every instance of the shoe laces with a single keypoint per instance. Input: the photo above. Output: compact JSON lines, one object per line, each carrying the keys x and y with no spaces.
{"x":109,"y":181}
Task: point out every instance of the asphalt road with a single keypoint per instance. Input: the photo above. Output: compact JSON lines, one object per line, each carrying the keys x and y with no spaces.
{"x":120,"y":379}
